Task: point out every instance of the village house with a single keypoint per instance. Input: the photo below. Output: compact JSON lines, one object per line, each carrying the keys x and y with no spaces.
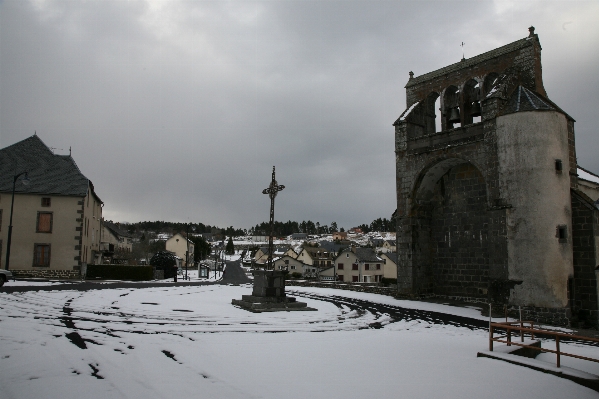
{"x":180,"y":246}
{"x":315,"y":256}
{"x":588,"y":183}
{"x":359,"y":265}
{"x":375,"y":242}
{"x":389,"y":246}
{"x":114,"y":239}
{"x":56,"y":216}
{"x":289,"y":263}
{"x":327,"y":274}
{"x":339,"y":235}
{"x":261,"y":255}
{"x":389,"y":264}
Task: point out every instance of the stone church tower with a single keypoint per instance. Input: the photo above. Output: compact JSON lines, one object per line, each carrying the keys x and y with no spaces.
{"x":486,"y":186}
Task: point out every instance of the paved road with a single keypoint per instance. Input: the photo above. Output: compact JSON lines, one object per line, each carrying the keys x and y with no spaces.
{"x":234,"y":274}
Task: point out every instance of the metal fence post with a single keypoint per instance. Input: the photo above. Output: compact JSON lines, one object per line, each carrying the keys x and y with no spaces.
{"x":490,"y":330}
{"x":557,"y":349}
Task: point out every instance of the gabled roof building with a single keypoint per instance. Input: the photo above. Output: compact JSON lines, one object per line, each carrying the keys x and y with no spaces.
{"x":359,"y":265}
{"x":56,"y":217}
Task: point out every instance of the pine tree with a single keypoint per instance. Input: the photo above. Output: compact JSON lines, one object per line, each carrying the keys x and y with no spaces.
{"x":230,"y":248}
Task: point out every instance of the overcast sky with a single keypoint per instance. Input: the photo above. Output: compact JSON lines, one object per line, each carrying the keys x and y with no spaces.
{"x":177,"y":110}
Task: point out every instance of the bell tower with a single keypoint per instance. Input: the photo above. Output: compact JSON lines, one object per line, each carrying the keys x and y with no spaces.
{"x":478,"y":196}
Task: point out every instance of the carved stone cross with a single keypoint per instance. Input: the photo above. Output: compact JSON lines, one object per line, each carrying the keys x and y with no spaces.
{"x":272,"y":191}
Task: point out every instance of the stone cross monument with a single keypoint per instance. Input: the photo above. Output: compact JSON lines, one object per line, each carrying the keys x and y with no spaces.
{"x":268,"y":294}
{"x":272,"y":191}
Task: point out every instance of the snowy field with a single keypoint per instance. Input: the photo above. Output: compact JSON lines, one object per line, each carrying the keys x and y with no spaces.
{"x":190,"y":342}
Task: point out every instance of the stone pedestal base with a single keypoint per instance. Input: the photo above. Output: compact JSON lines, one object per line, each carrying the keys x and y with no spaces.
{"x":258,"y":304}
{"x":269,"y":295}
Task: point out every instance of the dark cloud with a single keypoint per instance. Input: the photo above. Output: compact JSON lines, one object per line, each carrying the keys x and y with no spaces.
{"x":178,"y":110}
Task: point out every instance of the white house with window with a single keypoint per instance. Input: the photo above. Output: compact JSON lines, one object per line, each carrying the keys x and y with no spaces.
{"x":359,"y":265}
{"x":182,"y":247}
{"x":290,"y":264}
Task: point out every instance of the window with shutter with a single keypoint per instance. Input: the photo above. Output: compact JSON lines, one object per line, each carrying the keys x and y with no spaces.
{"x":44,"y":222}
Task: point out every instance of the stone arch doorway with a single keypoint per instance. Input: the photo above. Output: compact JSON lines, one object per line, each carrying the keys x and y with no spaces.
{"x":450,"y":239}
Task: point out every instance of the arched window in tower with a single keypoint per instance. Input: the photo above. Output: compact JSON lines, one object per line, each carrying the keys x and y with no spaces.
{"x":489,"y":83}
{"x":451,"y":108}
{"x":472,"y":107}
{"x":433,"y":113}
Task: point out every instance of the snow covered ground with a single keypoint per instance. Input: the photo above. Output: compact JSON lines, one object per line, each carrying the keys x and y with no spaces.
{"x":184,"y":342}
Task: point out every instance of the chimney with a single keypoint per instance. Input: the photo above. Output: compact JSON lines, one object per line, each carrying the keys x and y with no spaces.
{"x":532,"y":31}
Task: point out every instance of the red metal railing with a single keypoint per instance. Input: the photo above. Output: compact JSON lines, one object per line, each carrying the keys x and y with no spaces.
{"x":519,"y":327}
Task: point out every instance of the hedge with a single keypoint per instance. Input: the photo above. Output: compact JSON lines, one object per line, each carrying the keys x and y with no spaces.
{"x":120,"y":272}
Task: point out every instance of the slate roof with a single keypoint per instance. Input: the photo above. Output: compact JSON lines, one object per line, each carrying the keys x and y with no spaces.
{"x":314,"y":252}
{"x":48,"y":173}
{"x":392,"y":256}
{"x":367,"y":255}
{"x":377,"y":241}
{"x":523,"y":99}
{"x":332,"y":246}
{"x":117,"y":231}
{"x":470,"y":62}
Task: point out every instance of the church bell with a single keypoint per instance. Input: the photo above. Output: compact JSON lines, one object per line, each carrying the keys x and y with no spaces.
{"x":475,"y":110}
{"x":454,"y":115}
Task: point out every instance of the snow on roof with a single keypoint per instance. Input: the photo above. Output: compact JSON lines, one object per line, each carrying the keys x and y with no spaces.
{"x":408,"y":111}
{"x":586,"y":175}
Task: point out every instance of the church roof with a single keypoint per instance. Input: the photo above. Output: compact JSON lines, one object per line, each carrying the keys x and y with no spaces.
{"x":523,"y":99}
{"x":470,"y":62}
{"x":48,"y":173}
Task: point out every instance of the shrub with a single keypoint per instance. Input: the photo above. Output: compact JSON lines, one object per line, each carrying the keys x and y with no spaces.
{"x":166,"y":261}
{"x":387,"y":281}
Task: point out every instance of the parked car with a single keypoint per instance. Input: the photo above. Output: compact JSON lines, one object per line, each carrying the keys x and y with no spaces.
{"x":4,"y":276}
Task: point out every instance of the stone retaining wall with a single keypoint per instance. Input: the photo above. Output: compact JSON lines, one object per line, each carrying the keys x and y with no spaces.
{"x":46,"y":273}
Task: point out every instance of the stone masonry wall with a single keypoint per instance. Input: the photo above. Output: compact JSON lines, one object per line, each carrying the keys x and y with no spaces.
{"x":584,"y":284}
{"x":459,"y":234}
{"x":46,"y":273}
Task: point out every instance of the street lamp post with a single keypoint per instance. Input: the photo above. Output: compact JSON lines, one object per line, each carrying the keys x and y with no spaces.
{"x":187,"y":253}
{"x":25,"y":181}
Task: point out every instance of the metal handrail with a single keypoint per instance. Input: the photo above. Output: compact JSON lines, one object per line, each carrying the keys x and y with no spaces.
{"x":510,"y":326}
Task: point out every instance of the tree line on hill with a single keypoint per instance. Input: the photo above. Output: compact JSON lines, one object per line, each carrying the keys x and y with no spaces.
{"x":160,"y":226}
{"x":309,"y":227}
